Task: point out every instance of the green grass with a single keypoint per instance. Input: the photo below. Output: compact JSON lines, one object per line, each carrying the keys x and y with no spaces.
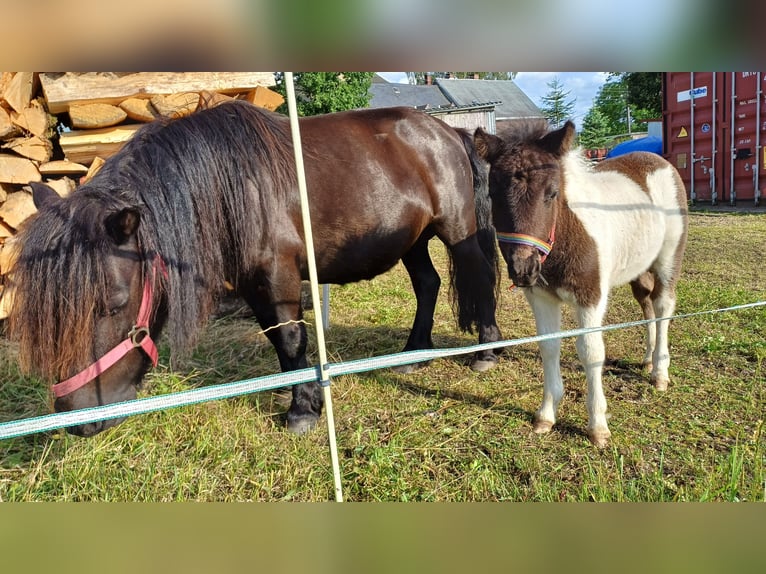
{"x":445,"y":433}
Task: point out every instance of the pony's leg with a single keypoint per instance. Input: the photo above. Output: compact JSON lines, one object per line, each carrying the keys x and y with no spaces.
{"x":590,"y":349}
{"x":547,"y":311}
{"x":279,"y":314}
{"x":425,"y":283}
{"x":473,"y":281}
{"x":642,"y":288}
{"x":664,"y":299}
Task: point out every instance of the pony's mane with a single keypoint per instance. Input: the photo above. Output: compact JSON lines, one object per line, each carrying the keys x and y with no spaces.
{"x":522,"y":132}
{"x":204,"y":185}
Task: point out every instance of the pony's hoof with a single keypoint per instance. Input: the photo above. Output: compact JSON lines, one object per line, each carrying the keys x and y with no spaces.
{"x":411,"y":368}
{"x":599,"y":437}
{"x":484,"y":364}
{"x":301,"y":424}
{"x":542,"y":427}
{"x":661,"y":383}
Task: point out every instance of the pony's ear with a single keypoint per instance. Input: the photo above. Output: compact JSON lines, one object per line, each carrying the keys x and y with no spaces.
{"x":122,"y":225}
{"x":488,"y":146}
{"x":558,"y":142}
{"x":43,"y":194}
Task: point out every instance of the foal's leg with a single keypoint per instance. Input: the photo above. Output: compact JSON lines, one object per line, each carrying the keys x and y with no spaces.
{"x":547,"y":313}
{"x":642,"y":288}
{"x":664,"y":299}
{"x":590,"y":349}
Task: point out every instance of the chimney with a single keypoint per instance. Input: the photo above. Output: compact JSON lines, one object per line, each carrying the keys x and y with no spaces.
{"x":428,"y":79}
{"x":476,"y":75}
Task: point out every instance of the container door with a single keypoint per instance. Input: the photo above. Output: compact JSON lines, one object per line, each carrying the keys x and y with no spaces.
{"x":747,"y":161}
{"x":691,"y":132}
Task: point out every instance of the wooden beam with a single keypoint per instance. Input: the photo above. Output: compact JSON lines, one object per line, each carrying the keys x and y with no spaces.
{"x":62,"y":90}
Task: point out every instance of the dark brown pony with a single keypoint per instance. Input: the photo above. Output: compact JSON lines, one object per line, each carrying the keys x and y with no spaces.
{"x":570,"y":232}
{"x":191,"y":203}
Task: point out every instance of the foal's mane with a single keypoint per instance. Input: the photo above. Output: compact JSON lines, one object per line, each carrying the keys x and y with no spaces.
{"x":523,"y":132}
{"x":207,"y":187}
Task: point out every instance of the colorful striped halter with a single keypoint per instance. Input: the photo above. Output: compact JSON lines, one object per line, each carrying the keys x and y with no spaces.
{"x":544,"y":247}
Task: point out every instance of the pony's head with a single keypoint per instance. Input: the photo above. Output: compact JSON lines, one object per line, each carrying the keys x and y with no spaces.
{"x":78,"y":285}
{"x":525,"y":182}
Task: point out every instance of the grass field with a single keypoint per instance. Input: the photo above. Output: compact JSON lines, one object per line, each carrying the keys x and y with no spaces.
{"x":445,"y":433}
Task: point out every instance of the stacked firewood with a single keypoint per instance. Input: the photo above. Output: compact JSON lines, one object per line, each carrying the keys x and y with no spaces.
{"x":60,"y":127}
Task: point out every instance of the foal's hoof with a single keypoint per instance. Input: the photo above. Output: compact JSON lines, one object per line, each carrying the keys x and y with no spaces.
{"x":599,"y":437}
{"x":542,"y":427}
{"x":410,"y":368}
{"x":481,"y":364}
{"x":660,"y":383}
{"x":301,"y":424}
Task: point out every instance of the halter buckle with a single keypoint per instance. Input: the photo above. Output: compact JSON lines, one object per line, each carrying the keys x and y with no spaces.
{"x":137,"y":335}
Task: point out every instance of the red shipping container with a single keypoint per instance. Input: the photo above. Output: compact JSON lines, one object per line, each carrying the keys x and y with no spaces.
{"x":714,"y":126}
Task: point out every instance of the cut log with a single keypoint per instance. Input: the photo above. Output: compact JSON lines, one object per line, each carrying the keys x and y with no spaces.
{"x":34,"y":147}
{"x":18,"y":93}
{"x":63,"y":167}
{"x":139,"y":109}
{"x":265,"y":98}
{"x":5,"y":189}
{"x":212,"y":99}
{"x":176,"y":105}
{"x":83,"y":145}
{"x":8,"y":254}
{"x":33,"y":119}
{"x":17,"y":170}
{"x":93,"y":169}
{"x":5,"y":79}
{"x":17,"y":208}
{"x":62,"y":90}
{"x":5,"y":302}
{"x":6,"y":231}
{"x":93,"y":116}
{"x":7,"y":128}
{"x":63,"y":186}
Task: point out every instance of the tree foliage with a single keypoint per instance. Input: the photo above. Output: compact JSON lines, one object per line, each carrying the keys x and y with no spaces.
{"x":326,"y":92}
{"x":555,"y":106}
{"x":630,"y":95}
{"x":644,"y":90}
{"x":595,"y":130}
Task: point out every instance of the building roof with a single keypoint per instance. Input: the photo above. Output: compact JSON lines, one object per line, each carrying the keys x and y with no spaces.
{"x":386,"y":95}
{"x":512,"y":102}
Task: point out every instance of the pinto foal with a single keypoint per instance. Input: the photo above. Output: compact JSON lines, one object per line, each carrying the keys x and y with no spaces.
{"x":570,"y":232}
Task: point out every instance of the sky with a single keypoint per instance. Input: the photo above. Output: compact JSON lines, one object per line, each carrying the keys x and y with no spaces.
{"x":583,"y":87}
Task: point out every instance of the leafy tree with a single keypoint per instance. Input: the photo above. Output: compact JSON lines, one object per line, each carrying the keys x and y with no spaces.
{"x":595,"y":130}
{"x":611,"y":102}
{"x":644,"y":91}
{"x":555,"y":106}
{"x":326,"y":92}
{"x":419,"y":78}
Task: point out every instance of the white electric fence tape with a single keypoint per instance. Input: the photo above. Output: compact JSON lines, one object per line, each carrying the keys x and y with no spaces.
{"x":171,"y":400}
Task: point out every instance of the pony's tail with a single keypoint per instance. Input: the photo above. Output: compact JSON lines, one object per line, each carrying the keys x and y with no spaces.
{"x":485,"y":235}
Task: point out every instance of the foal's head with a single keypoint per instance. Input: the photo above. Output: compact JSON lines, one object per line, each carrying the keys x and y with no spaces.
{"x":80,"y":277}
{"x":525,"y":181}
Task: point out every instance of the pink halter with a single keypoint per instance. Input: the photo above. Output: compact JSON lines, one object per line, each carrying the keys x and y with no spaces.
{"x":137,"y":337}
